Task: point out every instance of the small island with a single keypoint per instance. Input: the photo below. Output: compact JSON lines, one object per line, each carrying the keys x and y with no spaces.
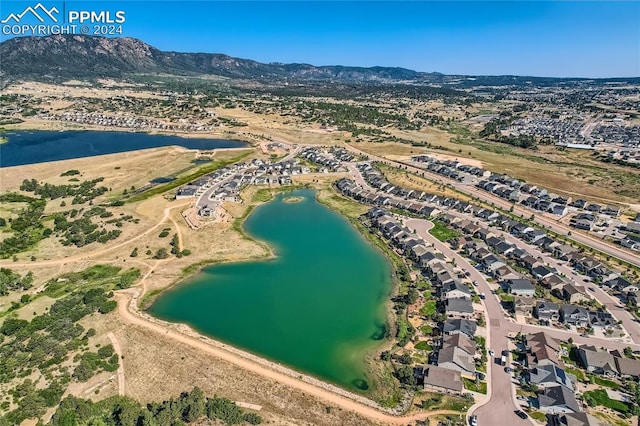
{"x":293,"y":199}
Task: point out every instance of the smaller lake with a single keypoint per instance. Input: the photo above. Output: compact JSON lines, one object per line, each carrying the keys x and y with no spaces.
{"x":31,"y":147}
{"x":319,"y":306}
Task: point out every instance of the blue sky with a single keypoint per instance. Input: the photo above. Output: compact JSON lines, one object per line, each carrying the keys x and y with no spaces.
{"x":541,"y":38}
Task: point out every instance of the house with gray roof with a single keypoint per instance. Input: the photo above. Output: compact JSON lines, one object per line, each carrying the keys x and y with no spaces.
{"x":558,"y":399}
{"x":459,"y":325}
{"x":461,"y":308}
{"x":597,"y":361}
{"x":551,"y":375}
{"x":575,"y":419}
{"x":546,"y":311}
{"x":574,"y":315}
{"x":520,"y":287}
{"x":455,"y":358}
{"x":628,"y":367}
{"x":442,"y":379}
{"x":455,"y":290}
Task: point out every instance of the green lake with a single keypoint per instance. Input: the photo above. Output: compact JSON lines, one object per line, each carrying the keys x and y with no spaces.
{"x":318,"y":307}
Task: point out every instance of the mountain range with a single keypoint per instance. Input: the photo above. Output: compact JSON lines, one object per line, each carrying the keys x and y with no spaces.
{"x":79,"y":56}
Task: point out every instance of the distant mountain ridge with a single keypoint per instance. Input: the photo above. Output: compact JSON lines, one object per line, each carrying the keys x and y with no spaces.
{"x":80,"y":56}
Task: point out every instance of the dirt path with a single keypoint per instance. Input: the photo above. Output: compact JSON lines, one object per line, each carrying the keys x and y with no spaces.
{"x":86,"y":256}
{"x":175,"y":225}
{"x":120,"y":375}
{"x":127,"y":310}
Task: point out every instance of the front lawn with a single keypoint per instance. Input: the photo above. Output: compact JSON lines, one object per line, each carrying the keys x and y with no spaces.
{"x":537,"y":415}
{"x":471,"y":385}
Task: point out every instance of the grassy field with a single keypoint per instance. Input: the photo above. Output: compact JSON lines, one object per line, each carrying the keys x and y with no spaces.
{"x":442,"y":232}
{"x":603,"y":382}
{"x":600,"y":397}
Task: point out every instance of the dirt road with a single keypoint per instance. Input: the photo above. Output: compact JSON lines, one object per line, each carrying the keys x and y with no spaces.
{"x":120,"y":375}
{"x":89,"y":255}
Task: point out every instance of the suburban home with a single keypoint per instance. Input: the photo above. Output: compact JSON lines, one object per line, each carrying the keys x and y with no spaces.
{"x":574,"y":294}
{"x":455,"y":290}
{"x":574,"y":315}
{"x":523,"y":305}
{"x":530,"y":262}
{"x":492,"y":262}
{"x":458,"y":308}
{"x":547,"y":311}
{"x":621,"y":284}
{"x":520,"y":287}
{"x":562,"y":251}
{"x":558,"y":399}
{"x":542,"y":271}
{"x":574,"y":419}
{"x":551,"y":375}
{"x":461,"y":341}
{"x":597,"y":361}
{"x":601,"y":319}
{"x":628,"y":367}
{"x":504,"y":273}
{"x":455,"y":358}
{"x":542,"y":349}
{"x":442,"y":379}
{"x":458,"y":325}
{"x":553,"y":282}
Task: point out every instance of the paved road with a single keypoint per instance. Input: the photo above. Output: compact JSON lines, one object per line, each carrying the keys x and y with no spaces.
{"x":621,"y":314}
{"x":500,"y":410}
{"x":540,"y":219}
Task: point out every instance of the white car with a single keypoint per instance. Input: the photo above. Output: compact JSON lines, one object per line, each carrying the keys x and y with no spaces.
{"x":491,"y":352}
{"x":473,"y":420}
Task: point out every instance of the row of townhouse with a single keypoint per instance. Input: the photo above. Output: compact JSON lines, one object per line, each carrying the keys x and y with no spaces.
{"x":332,"y":162}
{"x":257,"y":172}
{"x":456,"y":350}
{"x":432,"y":205}
{"x":556,"y":387}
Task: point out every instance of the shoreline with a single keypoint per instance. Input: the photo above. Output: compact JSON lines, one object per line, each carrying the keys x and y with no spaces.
{"x":145,"y":300}
{"x":39,"y":126}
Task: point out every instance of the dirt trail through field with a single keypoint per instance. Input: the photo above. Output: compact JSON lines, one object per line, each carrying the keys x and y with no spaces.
{"x":118,"y":351}
{"x":85,"y":256}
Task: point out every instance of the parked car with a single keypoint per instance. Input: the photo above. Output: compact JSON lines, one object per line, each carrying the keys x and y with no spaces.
{"x":475,"y":283}
{"x":473,"y":420}
{"x":521,"y":414}
{"x":491,"y":352}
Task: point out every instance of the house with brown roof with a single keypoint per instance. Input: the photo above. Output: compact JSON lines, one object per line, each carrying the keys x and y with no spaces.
{"x":542,"y":349}
{"x":461,"y":341}
{"x":574,"y":294}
